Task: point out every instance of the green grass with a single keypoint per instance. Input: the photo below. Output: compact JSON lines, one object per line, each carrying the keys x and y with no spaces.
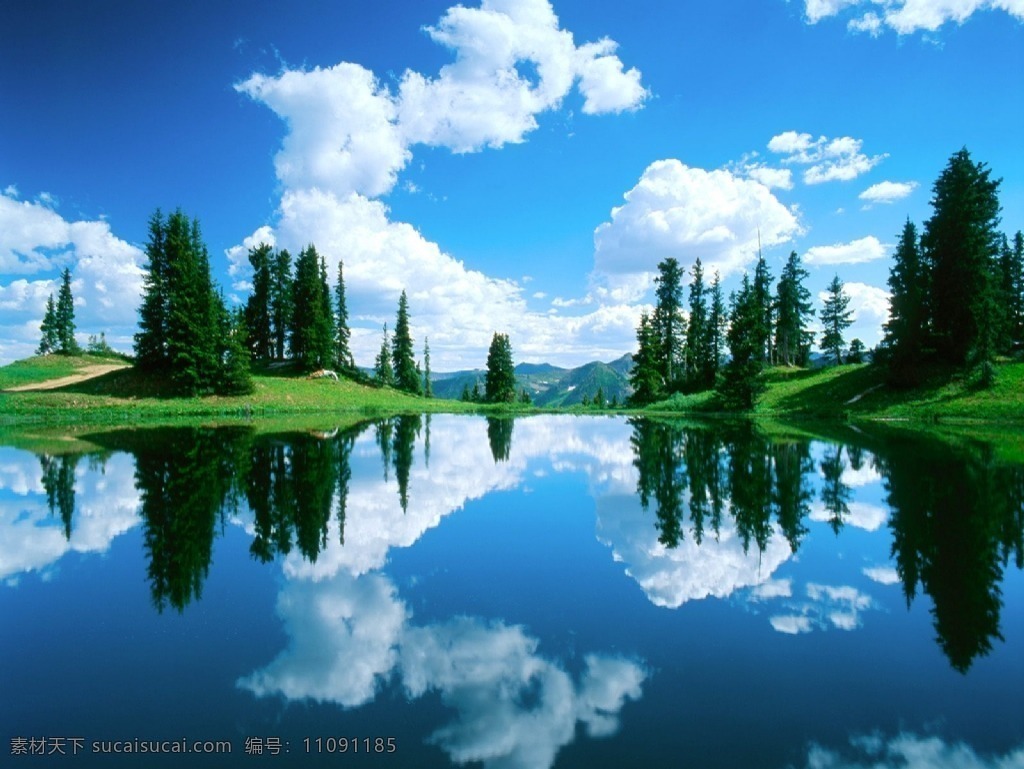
{"x":839,"y":393}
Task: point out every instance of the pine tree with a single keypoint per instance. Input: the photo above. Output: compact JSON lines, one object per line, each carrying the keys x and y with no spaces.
{"x":718,"y":320}
{"x":741,"y":382}
{"x":500,"y":383}
{"x":235,"y":376}
{"x":312,"y":325}
{"x":668,"y":324}
{"x":428,"y":386}
{"x":407,"y":378}
{"x":49,"y":341}
{"x":700,"y":374}
{"x":906,"y":331}
{"x":962,"y":245}
{"x":644,"y":377}
{"x":258,"y":307}
{"x":836,"y":317}
{"x":762,"y":329}
{"x":383,"y":373}
{"x":151,"y":340}
{"x":65,"y":317}
{"x":343,"y":352}
{"x":281,"y":301}
{"x":792,"y":312}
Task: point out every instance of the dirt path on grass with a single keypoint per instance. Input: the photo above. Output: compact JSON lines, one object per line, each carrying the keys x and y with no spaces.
{"x":88,"y":372}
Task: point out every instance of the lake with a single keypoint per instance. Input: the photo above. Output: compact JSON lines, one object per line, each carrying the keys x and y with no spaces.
{"x":553,"y":591}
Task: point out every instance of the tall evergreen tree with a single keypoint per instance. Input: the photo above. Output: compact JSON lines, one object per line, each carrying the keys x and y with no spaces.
{"x":151,"y":340}
{"x":234,"y":351}
{"x":741,"y":382}
{"x":49,"y":341}
{"x":792,"y":313}
{"x":644,"y":377}
{"x":836,"y":317}
{"x":258,"y":307}
{"x":407,"y":376}
{"x":907,"y":329}
{"x":428,"y":386}
{"x":281,"y":301}
{"x":700,"y":372}
{"x":500,"y":383}
{"x":383,"y":372}
{"x":668,"y":324}
{"x":718,"y":321}
{"x":762,"y":329}
{"x":962,"y":244}
{"x":343,"y":352}
{"x":65,"y":317}
{"x":312,"y":336}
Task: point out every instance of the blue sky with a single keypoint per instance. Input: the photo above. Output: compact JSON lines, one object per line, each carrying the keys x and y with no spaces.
{"x":514,"y":165}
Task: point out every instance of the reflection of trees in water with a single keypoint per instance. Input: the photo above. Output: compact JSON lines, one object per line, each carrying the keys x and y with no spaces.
{"x":499,"y":436}
{"x":59,"y":483}
{"x":734,"y":464}
{"x":957,"y":515}
{"x":957,"y":518}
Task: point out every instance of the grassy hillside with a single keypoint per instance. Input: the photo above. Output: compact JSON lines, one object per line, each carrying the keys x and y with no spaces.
{"x":859,"y":392}
{"x":127,"y":395}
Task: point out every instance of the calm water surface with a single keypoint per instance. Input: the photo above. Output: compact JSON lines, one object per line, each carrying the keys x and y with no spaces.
{"x":548,"y":592}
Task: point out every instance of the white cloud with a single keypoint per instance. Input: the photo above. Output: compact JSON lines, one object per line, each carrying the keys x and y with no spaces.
{"x":683,"y":212}
{"x":342,"y":135}
{"x":106,"y":271}
{"x":484,"y":99}
{"x":839,"y":159}
{"x":772,"y":178}
{"x":791,"y":624}
{"x":909,"y":751}
{"x":909,"y":16}
{"x":887,"y":192}
{"x":861,"y":515}
{"x":859,"y":251}
{"x":349,"y":138}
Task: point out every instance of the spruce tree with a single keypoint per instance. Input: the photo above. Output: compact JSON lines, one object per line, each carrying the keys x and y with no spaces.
{"x":644,"y":377}
{"x":65,"y":317}
{"x":762,"y":330}
{"x":907,"y":329}
{"x":836,"y":317}
{"x":407,"y":377}
{"x":49,"y":341}
{"x":500,"y":383}
{"x":700,"y":374}
{"x":718,"y":320}
{"x":383,"y":373}
{"x":668,"y":324}
{"x":312,"y":335}
{"x":281,"y":301}
{"x":428,"y":386}
{"x":962,"y":244}
{"x":741,"y":382}
{"x":151,"y":340}
{"x":258,"y":307}
{"x":792,"y":313}
{"x":343,"y":352}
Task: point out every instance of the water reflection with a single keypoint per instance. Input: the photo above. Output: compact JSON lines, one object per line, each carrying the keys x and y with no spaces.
{"x":691,"y":512}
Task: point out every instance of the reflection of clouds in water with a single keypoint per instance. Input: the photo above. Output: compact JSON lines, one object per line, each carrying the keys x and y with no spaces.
{"x":909,"y":751}
{"x":865,"y":476}
{"x":514,"y":708}
{"x":672,"y":576}
{"x":344,"y":636}
{"x":106,"y":505}
{"x":883,"y":575}
{"x":839,"y":606}
{"x":861,"y":515}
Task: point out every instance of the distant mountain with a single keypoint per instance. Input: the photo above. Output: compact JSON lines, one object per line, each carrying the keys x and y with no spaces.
{"x":548,"y":385}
